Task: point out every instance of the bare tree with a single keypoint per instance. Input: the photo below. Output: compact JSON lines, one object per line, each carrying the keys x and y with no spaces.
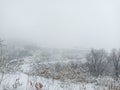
{"x":96,"y":62}
{"x":2,"y":62}
{"x":115,"y":58}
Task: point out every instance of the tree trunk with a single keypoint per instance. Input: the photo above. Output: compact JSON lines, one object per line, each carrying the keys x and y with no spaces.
{"x":117,"y":75}
{"x":1,"y":78}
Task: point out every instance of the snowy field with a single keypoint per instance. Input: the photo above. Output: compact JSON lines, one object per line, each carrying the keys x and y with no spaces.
{"x":27,"y":81}
{"x":48,"y":84}
{"x":9,"y":81}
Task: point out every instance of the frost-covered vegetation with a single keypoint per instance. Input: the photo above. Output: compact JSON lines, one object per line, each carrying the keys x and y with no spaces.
{"x":28,"y":67}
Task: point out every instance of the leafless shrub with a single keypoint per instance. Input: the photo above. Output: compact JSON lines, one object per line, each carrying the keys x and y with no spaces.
{"x":38,"y":86}
{"x":97,"y":61}
{"x":115,"y":58}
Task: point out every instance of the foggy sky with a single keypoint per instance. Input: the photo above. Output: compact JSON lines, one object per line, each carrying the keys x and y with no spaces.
{"x":62,"y":23}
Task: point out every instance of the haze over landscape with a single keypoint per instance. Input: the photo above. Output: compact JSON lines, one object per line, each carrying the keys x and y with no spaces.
{"x":59,"y":45}
{"x":62,"y":23}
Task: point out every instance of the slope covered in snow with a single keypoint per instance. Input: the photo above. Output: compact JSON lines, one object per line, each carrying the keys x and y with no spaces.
{"x":48,"y":84}
{"x":24,"y":81}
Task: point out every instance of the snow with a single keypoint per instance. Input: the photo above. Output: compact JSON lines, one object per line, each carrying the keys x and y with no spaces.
{"x":48,"y":84}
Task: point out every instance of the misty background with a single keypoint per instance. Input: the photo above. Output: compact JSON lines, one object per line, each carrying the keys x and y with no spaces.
{"x":62,"y":23}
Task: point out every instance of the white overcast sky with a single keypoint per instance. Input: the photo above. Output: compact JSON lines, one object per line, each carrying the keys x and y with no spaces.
{"x":62,"y":23}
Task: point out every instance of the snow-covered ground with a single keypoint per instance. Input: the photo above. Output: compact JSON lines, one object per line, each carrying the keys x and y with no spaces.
{"x":9,"y":81}
{"x":48,"y":84}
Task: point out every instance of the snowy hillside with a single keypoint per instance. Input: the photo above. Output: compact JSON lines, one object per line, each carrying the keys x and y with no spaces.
{"x":9,"y":81}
